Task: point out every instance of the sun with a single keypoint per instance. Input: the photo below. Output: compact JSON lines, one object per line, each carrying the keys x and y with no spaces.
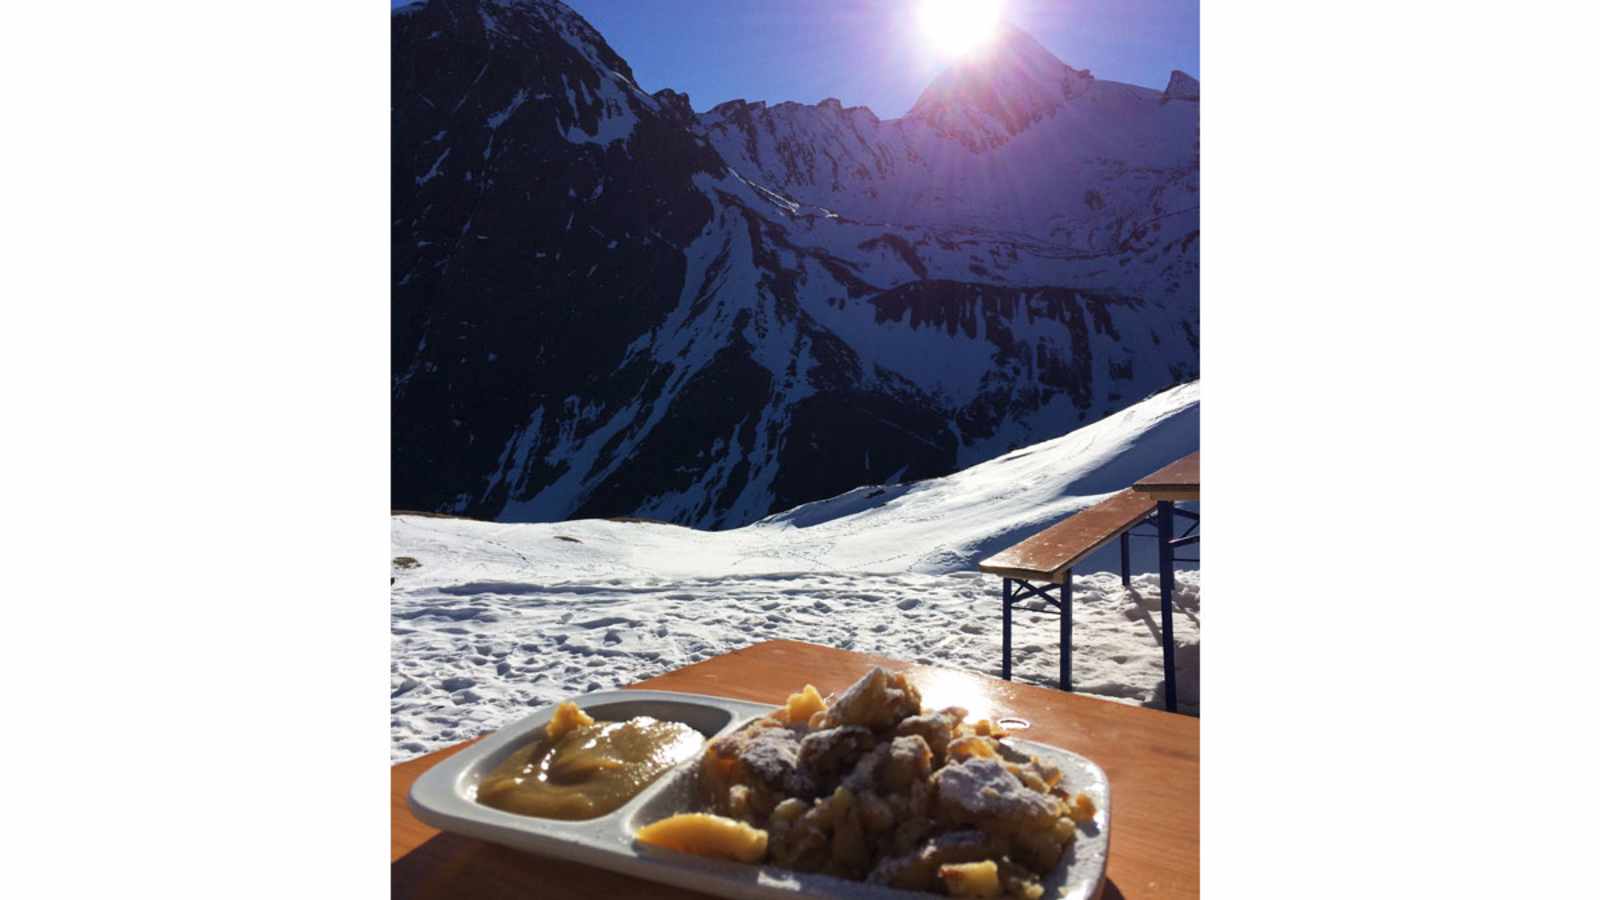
{"x":957,"y":27}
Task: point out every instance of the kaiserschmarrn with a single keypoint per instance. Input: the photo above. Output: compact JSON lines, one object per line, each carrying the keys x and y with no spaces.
{"x":868,"y":785}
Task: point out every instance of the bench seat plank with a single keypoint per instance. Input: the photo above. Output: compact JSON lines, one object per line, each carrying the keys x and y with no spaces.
{"x":1049,"y":554}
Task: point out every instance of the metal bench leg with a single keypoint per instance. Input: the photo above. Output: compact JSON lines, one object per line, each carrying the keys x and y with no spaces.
{"x":1126,"y":569}
{"x":1065,"y":598}
{"x":1169,"y":665}
{"x":1005,"y":629}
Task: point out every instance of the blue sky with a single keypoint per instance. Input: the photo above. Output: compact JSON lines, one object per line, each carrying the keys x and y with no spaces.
{"x":870,"y":52}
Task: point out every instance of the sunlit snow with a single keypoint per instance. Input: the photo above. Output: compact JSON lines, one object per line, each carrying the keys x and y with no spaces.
{"x":499,"y":618}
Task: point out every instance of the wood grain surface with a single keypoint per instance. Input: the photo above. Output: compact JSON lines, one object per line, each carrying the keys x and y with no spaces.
{"x":1179,"y":480}
{"x":1152,"y":759}
{"x":1047,"y":555}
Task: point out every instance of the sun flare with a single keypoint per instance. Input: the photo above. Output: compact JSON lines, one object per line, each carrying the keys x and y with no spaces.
{"x":957,"y":27}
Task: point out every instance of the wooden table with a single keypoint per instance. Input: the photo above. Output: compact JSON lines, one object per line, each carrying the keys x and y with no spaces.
{"x":1178,"y":480}
{"x":1151,"y":757}
{"x":1174,"y":482}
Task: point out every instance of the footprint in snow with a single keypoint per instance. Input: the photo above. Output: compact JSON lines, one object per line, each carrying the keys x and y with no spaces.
{"x":606,"y":621}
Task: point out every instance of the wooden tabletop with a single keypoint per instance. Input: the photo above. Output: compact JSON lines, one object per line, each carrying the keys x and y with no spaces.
{"x":1152,"y":759}
{"x":1047,"y":555}
{"x":1176,"y":481}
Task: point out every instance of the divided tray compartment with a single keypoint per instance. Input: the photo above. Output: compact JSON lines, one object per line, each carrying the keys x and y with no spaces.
{"x":445,"y":797}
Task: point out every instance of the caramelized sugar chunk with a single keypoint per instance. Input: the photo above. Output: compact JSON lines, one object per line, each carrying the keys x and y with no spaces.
{"x":707,"y":835}
{"x":877,"y":701}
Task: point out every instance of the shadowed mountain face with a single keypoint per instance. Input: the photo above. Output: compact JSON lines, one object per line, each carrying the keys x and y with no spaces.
{"x":606,"y":304}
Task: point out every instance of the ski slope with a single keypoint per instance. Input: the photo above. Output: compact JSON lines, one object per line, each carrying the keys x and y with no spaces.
{"x":497,"y":618}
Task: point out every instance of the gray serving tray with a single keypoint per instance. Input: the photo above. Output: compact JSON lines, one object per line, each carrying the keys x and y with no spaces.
{"x":445,"y":797}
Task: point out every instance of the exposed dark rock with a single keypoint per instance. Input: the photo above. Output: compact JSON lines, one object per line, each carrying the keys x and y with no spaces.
{"x":605,"y":304}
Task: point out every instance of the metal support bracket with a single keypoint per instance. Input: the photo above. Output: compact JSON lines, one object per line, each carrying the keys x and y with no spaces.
{"x":1014,"y":591}
{"x":1169,"y":666}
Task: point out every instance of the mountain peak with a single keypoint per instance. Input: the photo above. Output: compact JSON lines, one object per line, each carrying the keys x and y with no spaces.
{"x":1182,"y":86}
{"x":994,"y":93}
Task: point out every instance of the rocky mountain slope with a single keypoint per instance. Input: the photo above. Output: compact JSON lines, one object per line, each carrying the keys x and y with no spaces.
{"x":605,"y":304}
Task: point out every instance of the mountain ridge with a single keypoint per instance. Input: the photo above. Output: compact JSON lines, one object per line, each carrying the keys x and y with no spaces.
{"x":603,"y":307}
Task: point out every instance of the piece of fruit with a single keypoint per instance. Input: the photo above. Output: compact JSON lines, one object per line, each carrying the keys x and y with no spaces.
{"x":1082,"y":809}
{"x":976,"y":879}
{"x":972,"y":746}
{"x":568,"y":716}
{"x":704,"y":834}
{"x":802,"y":706}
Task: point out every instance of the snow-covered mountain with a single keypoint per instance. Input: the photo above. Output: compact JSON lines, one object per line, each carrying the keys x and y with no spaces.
{"x":1010,"y":140}
{"x":490,"y":618}
{"x":606,"y":304}
{"x":934,"y":527}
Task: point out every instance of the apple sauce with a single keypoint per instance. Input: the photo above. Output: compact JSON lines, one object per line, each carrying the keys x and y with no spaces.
{"x":581,"y":768}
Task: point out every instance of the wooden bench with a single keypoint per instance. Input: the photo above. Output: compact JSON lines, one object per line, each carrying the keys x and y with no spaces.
{"x":1048,"y":558}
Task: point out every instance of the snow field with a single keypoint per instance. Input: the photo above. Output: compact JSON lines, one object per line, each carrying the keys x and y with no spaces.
{"x":471,"y":656}
{"x":493,"y":619}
